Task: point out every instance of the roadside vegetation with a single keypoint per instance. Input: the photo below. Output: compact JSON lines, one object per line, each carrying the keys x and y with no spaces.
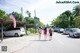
{"x":32,"y":22}
{"x":68,"y":19}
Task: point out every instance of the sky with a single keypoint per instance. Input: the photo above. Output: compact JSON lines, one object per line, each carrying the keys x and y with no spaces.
{"x":46,"y":10}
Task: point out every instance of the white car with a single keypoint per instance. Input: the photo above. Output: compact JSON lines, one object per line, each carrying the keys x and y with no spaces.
{"x":56,"y":29}
{"x":14,"y":31}
{"x":74,"y":32}
{"x":60,"y":30}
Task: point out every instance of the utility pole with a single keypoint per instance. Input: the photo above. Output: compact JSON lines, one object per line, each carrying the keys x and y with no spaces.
{"x":1,"y":29}
{"x":2,"y":32}
{"x":34,"y":21}
{"x":34,"y":13}
{"x":22,"y":14}
{"x":34,"y":17}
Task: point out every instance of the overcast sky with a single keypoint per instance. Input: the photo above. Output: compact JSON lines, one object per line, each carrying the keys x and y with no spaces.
{"x":46,"y":10}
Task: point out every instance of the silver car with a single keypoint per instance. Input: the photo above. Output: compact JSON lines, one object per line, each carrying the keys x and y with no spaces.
{"x":66,"y":31}
{"x":74,"y":32}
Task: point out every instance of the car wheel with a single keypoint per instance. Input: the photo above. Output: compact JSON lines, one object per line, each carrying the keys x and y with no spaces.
{"x":74,"y":36}
{"x":16,"y":34}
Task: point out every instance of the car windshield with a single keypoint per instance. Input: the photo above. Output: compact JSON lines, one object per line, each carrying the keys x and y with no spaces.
{"x":67,"y":29}
{"x":76,"y":30}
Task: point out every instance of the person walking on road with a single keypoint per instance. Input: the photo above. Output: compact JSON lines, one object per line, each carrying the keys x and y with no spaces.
{"x":45,"y":32}
{"x":40,"y":30}
{"x":50,"y":33}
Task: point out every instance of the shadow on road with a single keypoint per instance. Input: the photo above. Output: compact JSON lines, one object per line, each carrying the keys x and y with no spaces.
{"x":64,"y":34}
{"x":7,"y":37}
{"x":40,"y":40}
{"x":73,"y":37}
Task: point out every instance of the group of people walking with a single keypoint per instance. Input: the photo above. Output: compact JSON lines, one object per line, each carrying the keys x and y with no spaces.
{"x":45,"y":33}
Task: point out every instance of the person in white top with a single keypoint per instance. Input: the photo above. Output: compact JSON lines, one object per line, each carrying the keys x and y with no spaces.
{"x":40,"y":31}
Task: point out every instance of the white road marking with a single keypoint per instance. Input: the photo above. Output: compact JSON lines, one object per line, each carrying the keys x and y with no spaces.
{"x":61,"y":42}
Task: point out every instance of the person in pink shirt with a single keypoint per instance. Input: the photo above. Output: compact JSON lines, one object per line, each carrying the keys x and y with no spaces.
{"x":45,"y":32}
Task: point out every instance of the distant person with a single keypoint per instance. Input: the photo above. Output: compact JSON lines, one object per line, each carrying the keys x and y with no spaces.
{"x":45,"y":32}
{"x":40,"y":30}
{"x":50,"y":33}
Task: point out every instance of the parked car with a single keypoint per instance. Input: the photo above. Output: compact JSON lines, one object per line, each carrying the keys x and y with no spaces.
{"x":19,"y":31}
{"x":56,"y":29}
{"x":74,"y":32}
{"x":60,"y":30}
{"x":66,"y":31}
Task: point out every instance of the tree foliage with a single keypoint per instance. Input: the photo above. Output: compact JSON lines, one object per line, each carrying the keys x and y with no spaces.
{"x":29,"y":20}
{"x":18,"y":16}
{"x":77,"y":21}
{"x":3,"y":15}
{"x":68,"y":18}
{"x":76,"y":10}
{"x":28,"y":13}
{"x":35,"y":21}
{"x":63,"y":20}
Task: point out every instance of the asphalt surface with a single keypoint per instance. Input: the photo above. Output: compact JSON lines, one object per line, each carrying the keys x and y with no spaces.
{"x":59,"y":44}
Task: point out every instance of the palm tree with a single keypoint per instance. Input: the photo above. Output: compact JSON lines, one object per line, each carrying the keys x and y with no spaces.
{"x":76,"y":10}
{"x":67,"y":12}
{"x":28,"y":13}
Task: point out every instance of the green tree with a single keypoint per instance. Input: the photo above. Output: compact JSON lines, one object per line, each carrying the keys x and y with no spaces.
{"x":62,"y":20}
{"x":77,"y":21}
{"x":29,"y":20}
{"x":67,"y":13}
{"x":76,"y":10}
{"x":35,"y":21}
{"x":41,"y":24}
{"x":28,"y":13}
{"x":3,"y":15}
{"x":18,"y":16}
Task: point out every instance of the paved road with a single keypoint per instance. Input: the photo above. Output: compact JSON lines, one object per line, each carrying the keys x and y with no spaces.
{"x":59,"y":44}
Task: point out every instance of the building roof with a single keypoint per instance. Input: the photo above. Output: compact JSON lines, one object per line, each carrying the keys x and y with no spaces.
{"x":10,"y":23}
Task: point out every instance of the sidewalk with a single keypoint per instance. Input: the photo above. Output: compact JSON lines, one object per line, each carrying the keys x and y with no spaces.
{"x":14,"y":44}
